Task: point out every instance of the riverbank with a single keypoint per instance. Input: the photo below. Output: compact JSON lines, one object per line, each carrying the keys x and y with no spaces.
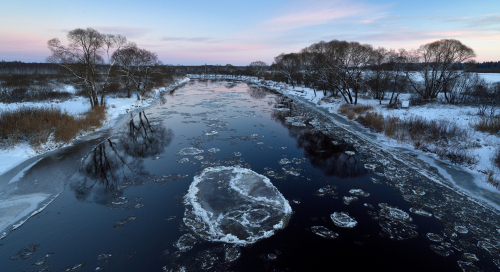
{"x":116,"y":109}
{"x":483,"y":147}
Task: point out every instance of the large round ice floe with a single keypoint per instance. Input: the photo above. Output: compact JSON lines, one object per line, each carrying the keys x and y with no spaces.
{"x":234,"y":205}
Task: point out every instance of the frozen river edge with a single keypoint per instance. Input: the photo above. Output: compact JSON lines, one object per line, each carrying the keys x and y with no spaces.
{"x":18,"y":203}
{"x":420,"y":183}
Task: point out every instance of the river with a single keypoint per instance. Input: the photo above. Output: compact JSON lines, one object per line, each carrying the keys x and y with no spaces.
{"x":120,"y":199}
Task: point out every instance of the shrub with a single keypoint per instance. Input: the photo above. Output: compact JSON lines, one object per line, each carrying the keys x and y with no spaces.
{"x":493,"y":180}
{"x":487,"y":124}
{"x":372,"y":120}
{"x":39,"y":125}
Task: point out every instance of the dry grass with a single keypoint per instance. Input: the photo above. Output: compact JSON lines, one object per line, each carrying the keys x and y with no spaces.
{"x":493,"y":180}
{"x":38,"y":125}
{"x":372,"y":120}
{"x":487,"y":124}
{"x":351,"y":115}
{"x":440,"y":137}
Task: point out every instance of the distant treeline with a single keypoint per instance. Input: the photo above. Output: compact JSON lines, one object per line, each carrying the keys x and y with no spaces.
{"x":35,"y":68}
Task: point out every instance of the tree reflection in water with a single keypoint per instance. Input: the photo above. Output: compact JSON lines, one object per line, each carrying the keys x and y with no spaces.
{"x":322,"y":151}
{"x":118,"y":160}
{"x":258,"y":93}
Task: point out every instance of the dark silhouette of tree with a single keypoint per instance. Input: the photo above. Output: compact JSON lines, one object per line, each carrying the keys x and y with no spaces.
{"x":84,"y":58}
{"x":137,"y":67}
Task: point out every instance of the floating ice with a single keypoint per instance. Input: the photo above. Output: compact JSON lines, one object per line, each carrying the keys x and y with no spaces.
{"x":234,"y":205}
{"x":183,"y":160}
{"x":213,"y":150}
{"x":211,"y":132}
{"x":75,"y":267}
{"x":284,"y":161}
{"x":471,"y":257}
{"x":343,"y":220}
{"x":327,"y":190}
{"x":186,"y":242}
{"x":420,"y":212}
{"x":461,"y":229}
{"x":392,"y":213}
{"x":359,"y":192}
{"x":237,"y":154}
{"x":324,"y":232}
{"x":349,"y":199}
{"x":350,"y":153}
{"x":121,"y":223}
{"x":26,"y":253}
{"x":232,"y":253}
{"x":189,"y":151}
{"x":434,"y":237}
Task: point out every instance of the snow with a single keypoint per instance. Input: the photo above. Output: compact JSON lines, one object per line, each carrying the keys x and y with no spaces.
{"x":9,"y":158}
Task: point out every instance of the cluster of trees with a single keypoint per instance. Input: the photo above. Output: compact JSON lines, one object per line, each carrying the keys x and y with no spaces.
{"x":94,"y":59}
{"x":347,"y":69}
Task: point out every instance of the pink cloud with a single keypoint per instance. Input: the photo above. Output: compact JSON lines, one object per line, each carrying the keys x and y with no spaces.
{"x":317,"y":13}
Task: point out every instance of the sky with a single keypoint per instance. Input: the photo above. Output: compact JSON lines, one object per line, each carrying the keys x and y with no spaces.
{"x":195,"y":32}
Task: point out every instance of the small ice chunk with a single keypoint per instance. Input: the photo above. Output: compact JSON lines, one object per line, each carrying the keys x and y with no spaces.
{"x":434,"y":237}
{"x":183,"y":160}
{"x":284,"y":161}
{"x":461,"y":229}
{"x":359,"y":192}
{"x":232,"y":253}
{"x":185,"y":242}
{"x":237,"y":154}
{"x":324,"y":232}
{"x":392,"y":213}
{"x":327,"y":190}
{"x":26,"y":252}
{"x":197,"y":157}
{"x":343,"y":220}
{"x":213,"y":150}
{"x":420,"y":212}
{"x":211,"y":132}
{"x":189,"y":151}
{"x":370,"y":167}
{"x":471,"y":257}
{"x":350,"y":153}
{"x":349,"y":199}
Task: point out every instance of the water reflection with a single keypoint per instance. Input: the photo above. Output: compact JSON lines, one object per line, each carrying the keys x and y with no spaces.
{"x":328,"y":155}
{"x":258,"y":93}
{"x":322,"y":152}
{"x":115,"y":161}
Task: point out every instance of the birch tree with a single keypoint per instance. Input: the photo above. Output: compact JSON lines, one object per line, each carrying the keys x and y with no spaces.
{"x":87,"y":58}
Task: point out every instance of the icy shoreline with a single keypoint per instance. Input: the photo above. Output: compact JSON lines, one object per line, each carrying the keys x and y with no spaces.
{"x":12,"y":157}
{"x":461,"y":115}
{"x":16,"y":210}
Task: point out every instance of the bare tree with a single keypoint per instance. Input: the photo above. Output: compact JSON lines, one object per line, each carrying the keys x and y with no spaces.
{"x":136,"y":66}
{"x":84,"y":58}
{"x":437,"y":64}
{"x":288,"y":66}
{"x":258,"y":68}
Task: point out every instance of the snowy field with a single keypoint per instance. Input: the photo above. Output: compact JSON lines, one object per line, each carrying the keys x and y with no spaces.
{"x":461,"y":115}
{"x":116,"y":106}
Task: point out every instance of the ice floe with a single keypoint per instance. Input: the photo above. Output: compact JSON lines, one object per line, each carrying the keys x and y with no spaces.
{"x":234,"y":205}
{"x":343,"y":220}
{"x":324,"y":232}
{"x":189,"y":151}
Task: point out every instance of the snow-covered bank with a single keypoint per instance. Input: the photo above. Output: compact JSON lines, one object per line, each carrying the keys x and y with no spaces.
{"x":21,"y":199}
{"x":486,"y":144}
{"x":11,"y":157}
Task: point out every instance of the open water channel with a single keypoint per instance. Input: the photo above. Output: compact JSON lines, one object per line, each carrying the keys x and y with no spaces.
{"x":124,"y":208}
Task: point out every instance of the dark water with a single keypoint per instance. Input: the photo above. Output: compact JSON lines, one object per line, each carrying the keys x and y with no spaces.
{"x":127,"y":198}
